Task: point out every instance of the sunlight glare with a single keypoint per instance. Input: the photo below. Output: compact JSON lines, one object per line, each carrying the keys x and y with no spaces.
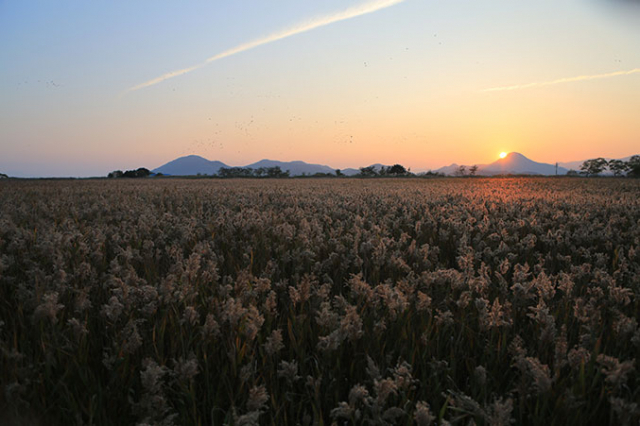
{"x":503,"y":154}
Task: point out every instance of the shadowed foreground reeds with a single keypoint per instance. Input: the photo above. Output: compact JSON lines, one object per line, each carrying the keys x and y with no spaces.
{"x":492,"y":301}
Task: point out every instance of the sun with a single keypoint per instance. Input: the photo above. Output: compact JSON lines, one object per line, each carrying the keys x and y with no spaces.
{"x":503,"y":154}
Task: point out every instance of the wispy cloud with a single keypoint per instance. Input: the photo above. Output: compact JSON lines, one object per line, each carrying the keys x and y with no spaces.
{"x":359,"y":10}
{"x":562,"y":80}
{"x":166,"y":76}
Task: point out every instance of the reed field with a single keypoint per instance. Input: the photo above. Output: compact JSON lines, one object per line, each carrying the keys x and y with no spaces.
{"x":320,"y":301}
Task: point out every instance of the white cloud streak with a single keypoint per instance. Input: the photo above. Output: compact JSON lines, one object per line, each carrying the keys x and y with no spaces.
{"x":561,"y":80}
{"x":166,"y":76}
{"x":353,"y":12}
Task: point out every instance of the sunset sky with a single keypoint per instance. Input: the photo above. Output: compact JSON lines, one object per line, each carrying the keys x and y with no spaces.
{"x":87,"y":87}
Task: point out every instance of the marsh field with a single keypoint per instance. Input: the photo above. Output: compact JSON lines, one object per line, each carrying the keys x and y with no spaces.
{"x":319,"y":302}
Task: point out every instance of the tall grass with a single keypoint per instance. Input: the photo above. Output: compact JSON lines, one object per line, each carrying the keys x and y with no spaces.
{"x":493,"y":301}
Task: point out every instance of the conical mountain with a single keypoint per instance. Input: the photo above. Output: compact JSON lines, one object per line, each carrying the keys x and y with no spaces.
{"x":516,"y":163}
{"x":513,"y":164}
{"x":190,"y":165}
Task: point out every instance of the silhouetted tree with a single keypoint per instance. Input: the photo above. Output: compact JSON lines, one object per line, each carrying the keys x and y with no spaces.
{"x":634,"y":166}
{"x":368,"y":171}
{"x":473,"y":169}
{"x":3,"y":176}
{"x":339,"y":173}
{"x":462,"y":170}
{"x":397,"y":170}
{"x":276,"y":172}
{"x":234,"y":172}
{"x":259,"y":172}
{"x":618,"y":167}
{"x":139,"y":173}
{"x":594,"y":166}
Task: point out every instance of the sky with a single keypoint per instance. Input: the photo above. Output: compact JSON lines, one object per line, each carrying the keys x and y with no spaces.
{"x":91,"y":87}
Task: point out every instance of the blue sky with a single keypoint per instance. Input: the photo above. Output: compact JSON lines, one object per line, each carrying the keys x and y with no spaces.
{"x":401,"y":84}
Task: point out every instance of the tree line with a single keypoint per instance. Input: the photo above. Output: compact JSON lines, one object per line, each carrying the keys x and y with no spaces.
{"x":277,"y":172}
{"x":395,"y":170}
{"x":274,"y":172}
{"x":595,"y":166}
{"x":138,"y":173}
{"x":261,"y":172}
{"x":462,"y":171}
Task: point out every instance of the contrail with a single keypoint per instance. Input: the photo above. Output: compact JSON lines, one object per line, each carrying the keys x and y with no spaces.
{"x":164,"y":77}
{"x":363,"y":9}
{"x":562,"y":80}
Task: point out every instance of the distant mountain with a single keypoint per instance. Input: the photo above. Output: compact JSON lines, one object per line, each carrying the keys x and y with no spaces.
{"x":449,"y":170}
{"x":571,"y":165}
{"x":193,"y":164}
{"x":295,"y":168}
{"x":350,"y":171}
{"x":513,"y":164}
{"x":190,"y":165}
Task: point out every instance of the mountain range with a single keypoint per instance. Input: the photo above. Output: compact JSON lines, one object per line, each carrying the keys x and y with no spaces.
{"x":513,"y":163}
{"x":194,"y":164}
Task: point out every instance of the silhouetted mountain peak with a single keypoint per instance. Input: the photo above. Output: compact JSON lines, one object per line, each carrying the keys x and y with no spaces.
{"x":516,"y":163}
{"x":515,"y":155}
{"x":190,"y":165}
{"x":513,"y":163}
{"x":194,"y":164}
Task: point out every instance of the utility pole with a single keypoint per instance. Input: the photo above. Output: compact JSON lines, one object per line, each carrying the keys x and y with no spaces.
{"x":556,"y":168}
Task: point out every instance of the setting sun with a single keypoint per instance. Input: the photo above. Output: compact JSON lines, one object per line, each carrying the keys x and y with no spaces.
{"x":503,"y":154}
